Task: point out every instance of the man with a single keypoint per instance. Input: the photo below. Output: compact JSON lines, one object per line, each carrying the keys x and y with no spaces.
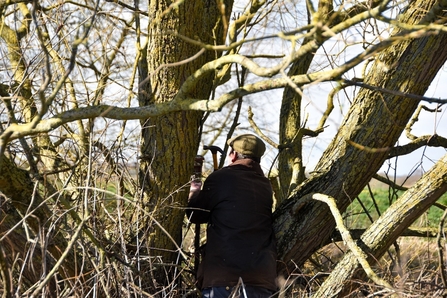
{"x":236,"y":202}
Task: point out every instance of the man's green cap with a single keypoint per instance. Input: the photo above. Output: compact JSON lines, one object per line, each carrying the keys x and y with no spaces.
{"x":247,"y":144}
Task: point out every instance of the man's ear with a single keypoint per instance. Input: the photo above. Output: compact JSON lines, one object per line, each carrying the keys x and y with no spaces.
{"x":234,"y":156}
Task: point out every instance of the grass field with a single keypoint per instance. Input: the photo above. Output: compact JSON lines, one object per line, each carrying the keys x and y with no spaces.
{"x":374,"y":201}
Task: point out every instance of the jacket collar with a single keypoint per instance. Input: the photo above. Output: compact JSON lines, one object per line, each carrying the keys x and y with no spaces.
{"x":248,"y":163}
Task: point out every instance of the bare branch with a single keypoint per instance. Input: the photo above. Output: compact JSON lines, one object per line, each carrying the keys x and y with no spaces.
{"x":395,"y":92}
{"x":359,"y":254}
{"x":427,"y":140}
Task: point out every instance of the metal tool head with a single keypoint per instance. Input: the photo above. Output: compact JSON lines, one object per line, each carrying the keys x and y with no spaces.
{"x":213,"y":149}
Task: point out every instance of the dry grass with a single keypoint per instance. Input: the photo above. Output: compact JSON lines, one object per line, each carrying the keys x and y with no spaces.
{"x":411,"y":267}
{"x":120,"y":268}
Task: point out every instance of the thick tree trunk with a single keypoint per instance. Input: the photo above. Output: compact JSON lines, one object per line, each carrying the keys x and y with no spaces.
{"x":385,"y":231}
{"x":374,"y":120}
{"x":169,"y":143}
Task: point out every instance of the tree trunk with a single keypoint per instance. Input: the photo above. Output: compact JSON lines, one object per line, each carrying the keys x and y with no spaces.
{"x":385,"y":230}
{"x":291,"y":132}
{"x":169,"y":143}
{"x":374,"y":120}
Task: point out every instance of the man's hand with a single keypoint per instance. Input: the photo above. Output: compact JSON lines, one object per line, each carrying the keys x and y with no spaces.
{"x":196,"y":178}
{"x":196,"y":185}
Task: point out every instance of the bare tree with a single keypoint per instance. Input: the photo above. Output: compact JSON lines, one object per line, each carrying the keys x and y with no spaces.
{"x":92,"y":200}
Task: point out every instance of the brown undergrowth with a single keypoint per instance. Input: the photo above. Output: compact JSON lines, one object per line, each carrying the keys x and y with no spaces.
{"x":411,"y":266}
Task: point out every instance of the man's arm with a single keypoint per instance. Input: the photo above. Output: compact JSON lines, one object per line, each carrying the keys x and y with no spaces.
{"x":198,"y":209}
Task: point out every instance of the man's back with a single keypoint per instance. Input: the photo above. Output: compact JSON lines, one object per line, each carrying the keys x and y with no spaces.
{"x":240,"y":239}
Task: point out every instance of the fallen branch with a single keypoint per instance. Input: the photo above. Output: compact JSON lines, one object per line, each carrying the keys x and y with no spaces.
{"x":359,"y":254}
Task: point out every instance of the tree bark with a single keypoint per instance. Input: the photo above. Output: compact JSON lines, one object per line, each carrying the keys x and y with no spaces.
{"x":169,"y":143}
{"x":374,"y":120}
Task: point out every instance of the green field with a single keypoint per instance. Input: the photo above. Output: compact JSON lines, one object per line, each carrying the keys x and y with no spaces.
{"x":373,"y":202}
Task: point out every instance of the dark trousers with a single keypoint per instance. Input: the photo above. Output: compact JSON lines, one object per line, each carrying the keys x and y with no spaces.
{"x":239,"y":292}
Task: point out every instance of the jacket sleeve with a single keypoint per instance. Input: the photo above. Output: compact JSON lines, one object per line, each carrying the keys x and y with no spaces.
{"x":195,"y":212}
{"x":199,"y":203}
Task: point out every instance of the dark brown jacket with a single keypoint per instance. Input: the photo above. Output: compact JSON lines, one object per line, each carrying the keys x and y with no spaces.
{"x":236,"y":202}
